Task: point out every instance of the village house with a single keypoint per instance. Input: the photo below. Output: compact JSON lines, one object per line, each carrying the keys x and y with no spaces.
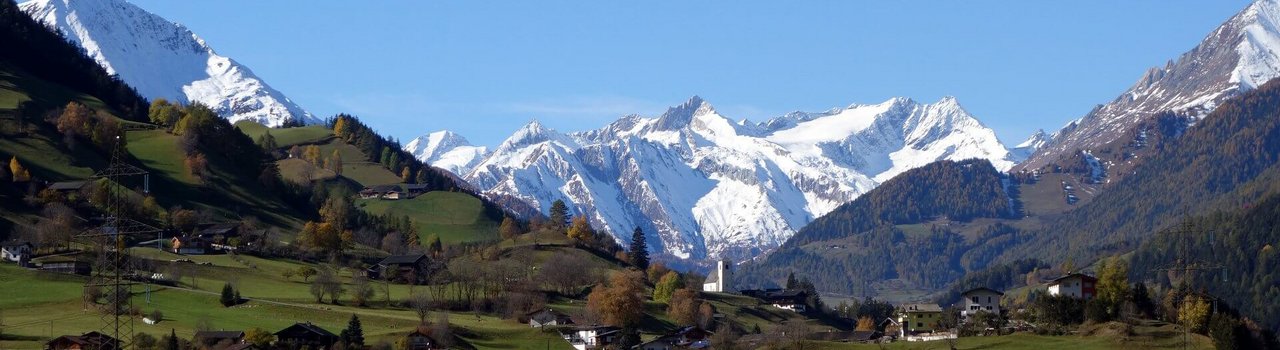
{"x":381,"y":191}
{"x":189,"y":245}
{"x":212,"y":339}
{"x":1075,"y":285}
{"x":63,"y":264}
{"x":17,"y":252}
{"x":919,"y":318}
{"x":304,"y":335}
{"x":870,"y":336}
{"x":414,"y":190}
{"x":592,"y":337}
{"x":787,"y":299}
{"x":690,"y":337}
{"x":420,"y":340}
{"x":548,"y":317}
{"x":410,"y":268}
{"x":88,"y":341}
{"x":67,"y":186}
{"x":980,"y":299}
{"x":720,"y":280}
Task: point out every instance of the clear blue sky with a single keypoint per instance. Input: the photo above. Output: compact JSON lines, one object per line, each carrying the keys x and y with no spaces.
{"x":485,"y":68}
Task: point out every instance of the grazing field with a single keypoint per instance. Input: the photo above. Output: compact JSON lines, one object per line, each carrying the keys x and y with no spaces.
{"x":452,"y":216}
{"x":286,"y":137}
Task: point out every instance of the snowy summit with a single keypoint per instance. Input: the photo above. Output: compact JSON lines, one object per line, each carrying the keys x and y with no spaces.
{"x":704,"y":186}
{"x":162,"y":59}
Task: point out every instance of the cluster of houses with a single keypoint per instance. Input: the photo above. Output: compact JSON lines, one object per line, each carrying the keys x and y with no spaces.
{"x":301,"y":335}
{"x":393,"y":192}
{"x":207,"y":239}
{"x":586,"y":337}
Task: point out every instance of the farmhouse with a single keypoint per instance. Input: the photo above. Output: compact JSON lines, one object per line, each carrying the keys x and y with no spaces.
{"x":381,"y":191}
{"x":67,"y":186}
{"x":685,"y":338}
{"x":304,"y":335}
{"x":1075,"y":285}
{"x":213,"y":339}
{"x":548,"y":317}
{"x":420,"y":340}
{"x":788,"y":299}
{"x":980,"y":299}
{"x":592,"y":337}
{"x":919,"y":318}
{"x":865,"y":336}
{"x":87,"y":341}
{"x":189,"y":245}
{"x":18,"y":252}
{"x":409,"y":268}
{"x":414,"y":190}
{"x":65,"y":265}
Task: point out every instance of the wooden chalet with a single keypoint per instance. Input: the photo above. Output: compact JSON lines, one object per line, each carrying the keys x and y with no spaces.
{"x":88,"y":341}
{"x":214,"y":338}
{"x":304,"y":335}
{"x":548,"y":317}
{"x":410,"y":268}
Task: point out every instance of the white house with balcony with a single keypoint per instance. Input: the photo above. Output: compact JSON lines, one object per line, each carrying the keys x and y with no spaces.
{"x":978,"y":300}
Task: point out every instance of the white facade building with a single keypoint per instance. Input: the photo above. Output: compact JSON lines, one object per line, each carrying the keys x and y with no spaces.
{"x":980,"y":300}
{"x":720,"y":280}
{"x":1079,"y":286}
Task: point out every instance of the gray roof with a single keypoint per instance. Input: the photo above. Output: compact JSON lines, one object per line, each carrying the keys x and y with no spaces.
{"x":921,"y":308}
{"x":67,"y":185}
{"x":402,"y":259}
{"x":1070,"y":275}
{"x":219,"y":334}
{"x":979,"y":289}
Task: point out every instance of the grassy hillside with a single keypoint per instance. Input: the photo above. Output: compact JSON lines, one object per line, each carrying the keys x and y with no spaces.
{"x":452,"y":216}
{"x":286,"y":137}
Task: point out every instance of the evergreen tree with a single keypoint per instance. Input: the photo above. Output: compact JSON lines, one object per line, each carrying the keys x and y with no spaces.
{"x":228,"y":295}
{"x":639,"y":250}
{"x":173,"y":340}
{"x":353,"y":335}
{"x":559,"y":218}
{"x":791,"y":281}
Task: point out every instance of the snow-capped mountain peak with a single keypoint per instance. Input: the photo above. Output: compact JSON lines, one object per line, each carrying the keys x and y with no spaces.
{"x":705,"y":186}
{"x":446,"y":150}
{"x":162,"y":59}
{"x":1238,"y":56}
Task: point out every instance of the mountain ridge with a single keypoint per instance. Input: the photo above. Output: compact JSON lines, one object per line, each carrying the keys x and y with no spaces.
{"x":127,"y":41}
{"x":705,"y":186}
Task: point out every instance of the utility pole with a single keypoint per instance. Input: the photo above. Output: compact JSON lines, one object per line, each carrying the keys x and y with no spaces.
{"x":1185,"y":266}
{"x":112,"y":269}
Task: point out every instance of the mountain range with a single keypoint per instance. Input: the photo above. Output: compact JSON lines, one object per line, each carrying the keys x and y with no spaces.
{"x":1238,"y":56}
{"x":163,"y":59}
{"x":705,"y":186}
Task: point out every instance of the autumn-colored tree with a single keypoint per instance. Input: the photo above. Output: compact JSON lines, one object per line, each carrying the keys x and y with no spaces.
{"x":509,"y":228}
{"x":865,"y":323}
{"x":197,"y":165}
{"x":74,"y":119}
{"x":581,"y":231}
{"x":621,"y":303}
{"x":667,"y":285}
{"x":683,"y":308}
{"x":183,"y":219}
{"x":336,"y":211}
{"x":258,"y":336}
{"x":163,"y":113}
{"x":17,"y":171}
{"x":341,"y":127}
{"x":1194,"y":314}
{"x":312,"y":155}
{"x":1113,"y":285}
{"x":406,"y":176}
{"x":295,"y":152}
{"x":335,"y":162}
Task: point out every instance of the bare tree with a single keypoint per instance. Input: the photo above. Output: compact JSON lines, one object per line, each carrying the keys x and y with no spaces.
{"x":421,"y":304}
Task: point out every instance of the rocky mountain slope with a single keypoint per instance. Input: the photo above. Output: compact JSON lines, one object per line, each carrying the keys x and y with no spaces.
{"x":705,"y":186}
{"x":163,"y":59}
{"x":1238,"y":56}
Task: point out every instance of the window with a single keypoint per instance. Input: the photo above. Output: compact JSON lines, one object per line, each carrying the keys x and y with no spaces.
{"x":975,"y":299}
{"x":919,"y":324}
{"x":988,"y":299}
{"x":988,"y":308}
